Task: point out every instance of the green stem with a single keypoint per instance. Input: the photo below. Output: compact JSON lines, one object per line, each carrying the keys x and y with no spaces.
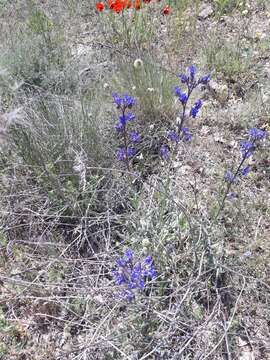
{"x":125,"y":142}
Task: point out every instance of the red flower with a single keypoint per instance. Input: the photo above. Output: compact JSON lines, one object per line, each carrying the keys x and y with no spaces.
{"x":147,"y":1}
{"x":129,"y":4}
{"x":167,"y":10}
{"x":137,"y":4}
{"x":100,"y":6}
{"x":119,"y":5}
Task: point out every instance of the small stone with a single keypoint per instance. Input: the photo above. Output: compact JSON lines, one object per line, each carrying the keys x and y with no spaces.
{"x":145,"y":243}
{"x":219,"y":92}
{"x":206,"y":10}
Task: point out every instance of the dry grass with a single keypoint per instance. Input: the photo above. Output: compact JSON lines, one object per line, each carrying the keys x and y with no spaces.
{"x":69,"y":210}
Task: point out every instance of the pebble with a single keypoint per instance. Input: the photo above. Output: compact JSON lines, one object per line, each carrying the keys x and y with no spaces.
{"x":206,"y":10}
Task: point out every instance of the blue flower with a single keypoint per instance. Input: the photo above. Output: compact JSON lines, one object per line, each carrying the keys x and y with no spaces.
{"x":194,"y":112}
{"x":123,"y":120}
{"x":118,"y":100}
{"x":257,"y":134}
{"x":119,"y":127}
{"x":135,"y":137}
{"x":141,"y":283}
{"x":131,"y":152}
{"x":173,"y":137}
{"x":122,"y":154}
{"x":148,"y":260}
{"x":245,"y":170}
{"x":198,"y":104}
{"x":195,"y":109}
{"x":133,"y":275}
{"x":131,"y":285}
{"x":183,"y":78}
{"x":205,"y":79}
{"x":187,"y":136}
{"x":126,"y":294}
{"x":177,"y":91}
{"x":119,"y":278}
{"x":193,"y":70}
{"x":247,"y":148}
{"x":164,"y":152}
{"x":123,"y":102}
{"x":229,"y":177}
{"x":183,"y":98}
{"x":232,"y":195}
{"x":121,"y":262}
{"x":129,"y":254}
{"x":128,"y":101}
{"x":152,"y":273}
{"x":126,"y":117}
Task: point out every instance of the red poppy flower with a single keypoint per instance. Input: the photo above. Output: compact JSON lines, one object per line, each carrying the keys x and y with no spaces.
{"x":100,"y":6}
{"x":137,"y":4}
{"x":129,"y":4}
{"x":167,"y":10}
{"x":119,"y":5}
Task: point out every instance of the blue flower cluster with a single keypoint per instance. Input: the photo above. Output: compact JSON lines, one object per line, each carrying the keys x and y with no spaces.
{"x":164,"y":152}
{"x":123,"y":102}
{"x":195,"y":109}
{"x":133,"y":274}
{"x":247,"y":148}
{"x":183,"y":133}
{"x":127,"y":151}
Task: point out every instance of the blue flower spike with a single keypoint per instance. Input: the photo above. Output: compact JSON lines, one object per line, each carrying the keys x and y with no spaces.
{"x":184,"y":78}
{"x":229,"y":177}
{"x":245,"y":170}
{"x":129,"y":254}
{"x":190,"y":82}
{"x":205,"y":79}
{"x":134,"y":136}
{"x":192,"y":70}
{"x":173,"y":137}
{"x":127,"y":151}
{"x":247,"y":148}
{"x":257,"y":134}
{"x":195,"y":109}
{"x":183,"y":98}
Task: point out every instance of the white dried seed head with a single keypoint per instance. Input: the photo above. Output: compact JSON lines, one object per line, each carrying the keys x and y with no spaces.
{"x":138,"y":63}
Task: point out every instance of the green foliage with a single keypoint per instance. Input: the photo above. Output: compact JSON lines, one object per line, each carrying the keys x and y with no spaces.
{"x":224,"y":7}
{"x":38,"y":54}
{"x":226,"y":58}
{"x":58,"y":137}
{"x":39,"y":23}
{"x":151,"y":85}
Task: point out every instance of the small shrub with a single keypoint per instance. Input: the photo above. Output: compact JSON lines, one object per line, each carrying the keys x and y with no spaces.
{"x":226,"y":59}
{"x":151,"y":85}
{"x":224,"y":7}
{"x":38,"y":55}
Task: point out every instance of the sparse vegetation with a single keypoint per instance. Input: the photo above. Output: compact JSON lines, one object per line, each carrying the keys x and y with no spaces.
{"x":134,"y":218}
